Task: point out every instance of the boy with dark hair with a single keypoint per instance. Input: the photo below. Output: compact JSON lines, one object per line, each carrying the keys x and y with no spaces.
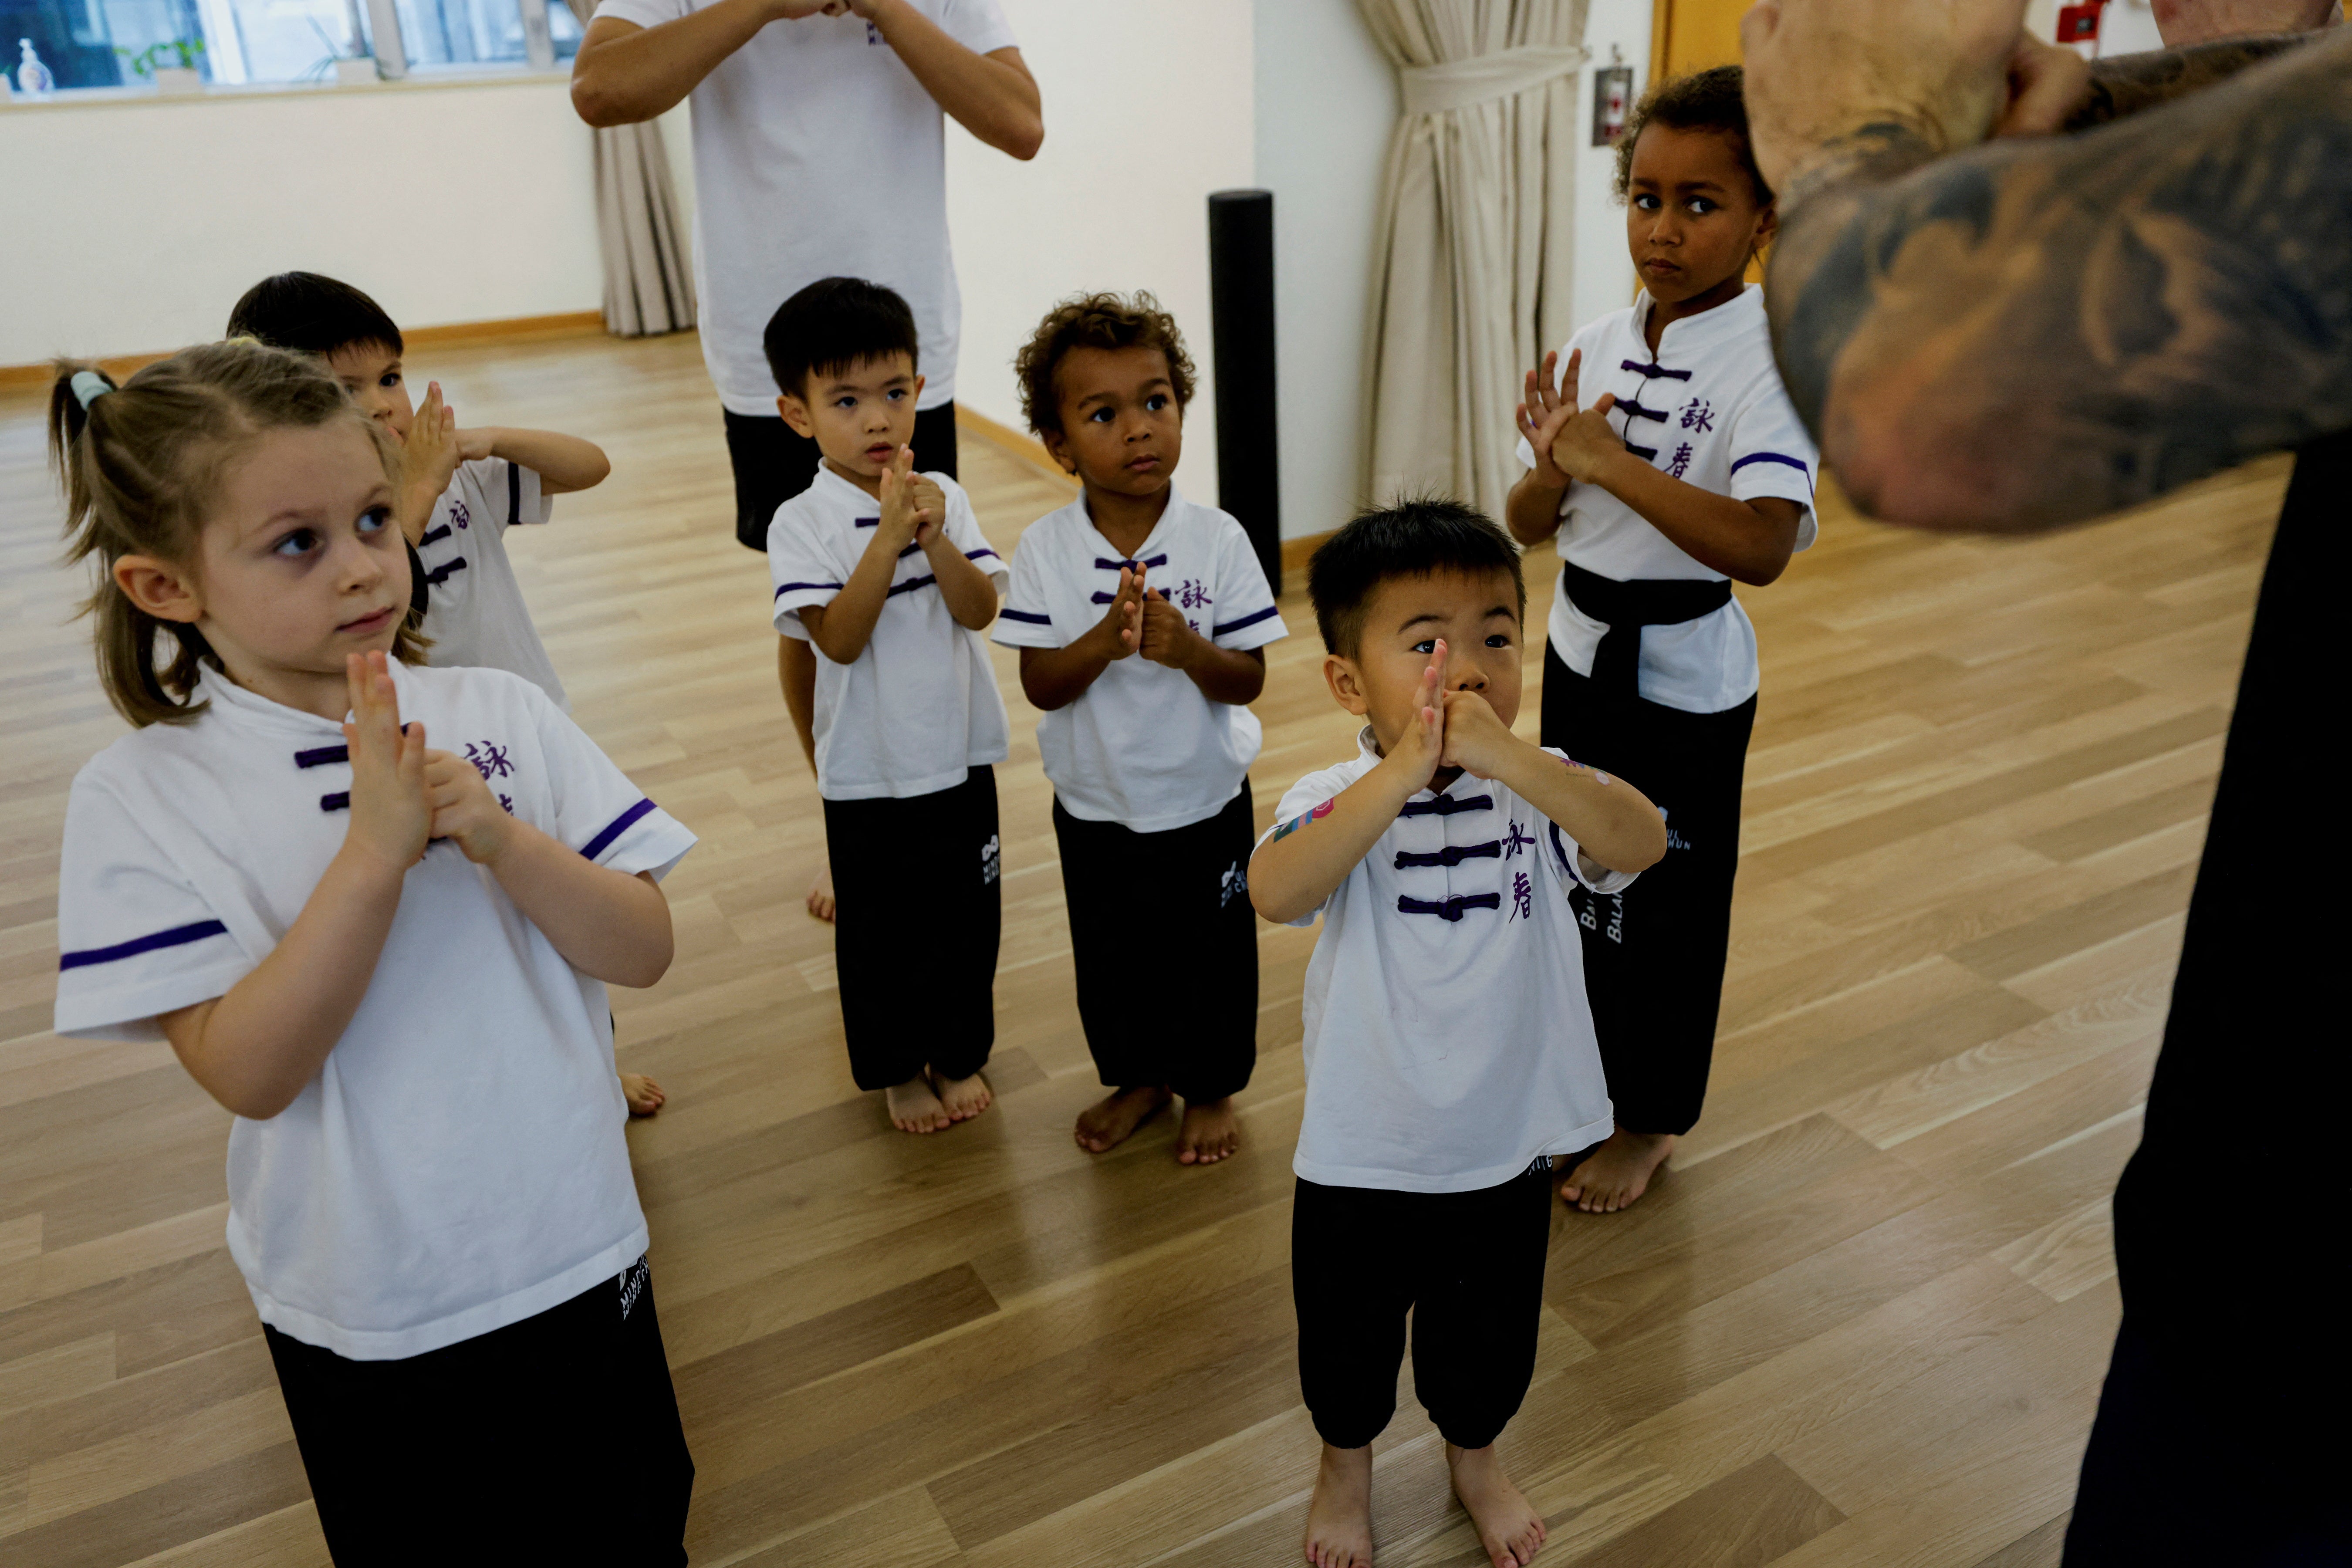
{"x":460,"y":490}
{"x":1449,"y":1047}
{"x":1667,"y":460}
{"x":885,"y":573}
{"x":1141,"y":618}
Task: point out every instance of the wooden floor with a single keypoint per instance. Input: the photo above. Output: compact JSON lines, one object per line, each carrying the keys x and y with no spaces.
{"x":1860,"y":1320}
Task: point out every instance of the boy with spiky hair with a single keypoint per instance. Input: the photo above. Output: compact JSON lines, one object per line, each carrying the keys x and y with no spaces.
{"x":1449,"y":1047}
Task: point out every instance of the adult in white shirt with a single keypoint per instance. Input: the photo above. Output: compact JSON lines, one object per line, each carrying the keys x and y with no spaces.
{"x":819,"y":152}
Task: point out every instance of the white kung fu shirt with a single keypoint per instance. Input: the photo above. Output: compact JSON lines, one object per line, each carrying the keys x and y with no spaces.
{"x":476,"y":614}
{"x":818,"y":154}
{"x":1709,"y":409}
{"x":457,"y":1164}
{"x":1449,"y":1041}
{"x":1142,"y":746}
{"x":918,"y":708}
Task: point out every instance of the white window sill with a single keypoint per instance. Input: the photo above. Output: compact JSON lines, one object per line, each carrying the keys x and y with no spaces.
{"x":433,"y":79}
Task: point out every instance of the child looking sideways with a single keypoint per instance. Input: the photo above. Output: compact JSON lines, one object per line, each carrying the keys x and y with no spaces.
{"x":1142,"y":617}
{"x":885,"y":573}
{"x":458,"y":492}
{"x":1449,"y":1049}
{"x":384,"y":946}
{"x":1669,"y":461}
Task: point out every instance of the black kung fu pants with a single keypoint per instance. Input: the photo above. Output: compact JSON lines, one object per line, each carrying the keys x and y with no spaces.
{"x":1653,"y":955}
{"x":773,"y":464}
{"x":1469,"y":1265}
{"x":555,"y":1439}
{"x":1164,"y":942}
{"x":917,"y":911}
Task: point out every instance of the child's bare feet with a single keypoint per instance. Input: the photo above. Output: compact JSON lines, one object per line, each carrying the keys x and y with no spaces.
{"x":1339,"y":1519}
{"x":1210,"y":1132}
{"x":643,"y":1095}
{"x":964,"y":1098}
{"x":1510,"y":1531}
{"x":1617,"y":1173}
{"x":1112,"y":1119}
{"x":819,"y":896}
{"x":914,"y":1108}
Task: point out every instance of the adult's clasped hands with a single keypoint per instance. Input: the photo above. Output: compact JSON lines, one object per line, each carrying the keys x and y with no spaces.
{"x":1833,"y":84}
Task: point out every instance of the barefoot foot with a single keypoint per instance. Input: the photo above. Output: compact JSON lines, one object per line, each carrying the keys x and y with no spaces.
{"x":1509,"y":1529}
{"x":1339,"y":1519}
{"x":913,"y":1107}
{"x":964,"y":1098}
{"x":1617,"y":1173}
{"x":1112,"y":1119}
{"x":643,"y":1095}
{"x":1211,"y":1129}
{"x":819,"y":896}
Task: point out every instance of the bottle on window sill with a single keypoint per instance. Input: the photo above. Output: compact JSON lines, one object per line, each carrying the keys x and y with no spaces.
{"x":33,"y":79}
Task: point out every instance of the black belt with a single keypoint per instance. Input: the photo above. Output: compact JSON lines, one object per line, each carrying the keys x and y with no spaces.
{"x":1626,"y":607}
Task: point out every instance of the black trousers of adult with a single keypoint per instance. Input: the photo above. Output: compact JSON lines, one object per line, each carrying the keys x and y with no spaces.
{"x":918,"y":912}
{"x":1164,"y":942}
{"x":773,"y":464}
{"x":555,"y":1439}
{"x":2211,"y":1444}
{"x":1653,"y":954}
{"x":1469,"y":1265}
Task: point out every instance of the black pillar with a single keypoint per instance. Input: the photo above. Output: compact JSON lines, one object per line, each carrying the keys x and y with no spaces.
{"x":1241,"y":302}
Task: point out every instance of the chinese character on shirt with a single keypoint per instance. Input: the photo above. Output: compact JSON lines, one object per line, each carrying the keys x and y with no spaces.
{"x":490,"y":759}
{"x":1681,"y":463}
{"x":1522,"y":895}
{"x":1520,"y":838}
{"x":1698,"y":415}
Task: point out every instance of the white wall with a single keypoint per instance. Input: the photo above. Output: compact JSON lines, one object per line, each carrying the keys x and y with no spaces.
{"x":134,"y":225}
{"x":1327,"y":102}
{"x":2128,"y":27}
{"x":1605,"y":279}
{"x":1147,"y":110}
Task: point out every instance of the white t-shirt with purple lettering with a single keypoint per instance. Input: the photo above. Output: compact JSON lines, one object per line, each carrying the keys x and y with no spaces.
{"x":458,"y":1163}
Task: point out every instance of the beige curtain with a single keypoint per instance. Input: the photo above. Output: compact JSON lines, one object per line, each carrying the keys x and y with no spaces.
{"x":1476,"y":230}
{"x":648,"y":260}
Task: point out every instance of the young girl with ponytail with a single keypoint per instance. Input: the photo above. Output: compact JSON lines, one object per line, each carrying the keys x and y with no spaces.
{"x":373,"y":907}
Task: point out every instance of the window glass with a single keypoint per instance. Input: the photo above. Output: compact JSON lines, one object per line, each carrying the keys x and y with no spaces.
{"x":461,"y":32}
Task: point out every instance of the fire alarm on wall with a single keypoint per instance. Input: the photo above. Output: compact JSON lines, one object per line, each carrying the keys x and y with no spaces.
{"x":2079,"y":24}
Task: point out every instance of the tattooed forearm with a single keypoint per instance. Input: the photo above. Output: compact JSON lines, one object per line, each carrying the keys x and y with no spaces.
{"x":2127,"y":84}
{"x":2040,"y":330}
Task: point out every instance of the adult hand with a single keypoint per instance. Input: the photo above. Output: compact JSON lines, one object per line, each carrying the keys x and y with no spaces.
{"x":1935,"y":73}
{"x":2047,"y":83}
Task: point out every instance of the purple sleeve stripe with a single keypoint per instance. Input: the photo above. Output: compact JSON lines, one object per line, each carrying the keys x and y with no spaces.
{"x":1803,"y":468}
{"x":1249,"y":620}
{"x":614,"y":829}
{"x":785,"y":588}
{"x":1025,"y":615}
{"x":176,"y":936}
{"x":976,"y":554}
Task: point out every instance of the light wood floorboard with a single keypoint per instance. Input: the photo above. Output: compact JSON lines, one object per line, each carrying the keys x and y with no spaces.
{"x":1862,"y":1318}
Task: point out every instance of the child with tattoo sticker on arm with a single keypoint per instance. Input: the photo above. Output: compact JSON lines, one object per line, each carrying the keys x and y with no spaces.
{"x":1667,"y":458}
{"x":1450,"y":1052}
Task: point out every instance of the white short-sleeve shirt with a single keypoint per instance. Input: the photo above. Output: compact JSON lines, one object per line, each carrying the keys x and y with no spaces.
{"x":818,"y":154}
{"x":1709,"y":409}
{"x":1142,"y":746}
{"x":1449,"y":1041}
{"x":476,"y":614}
{"x":918,"y":707}
{"x":458,"y":1163}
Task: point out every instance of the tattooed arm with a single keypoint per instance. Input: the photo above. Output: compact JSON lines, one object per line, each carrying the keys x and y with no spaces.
{"x":2037,"y":331}
{"x":2127,"y":84}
